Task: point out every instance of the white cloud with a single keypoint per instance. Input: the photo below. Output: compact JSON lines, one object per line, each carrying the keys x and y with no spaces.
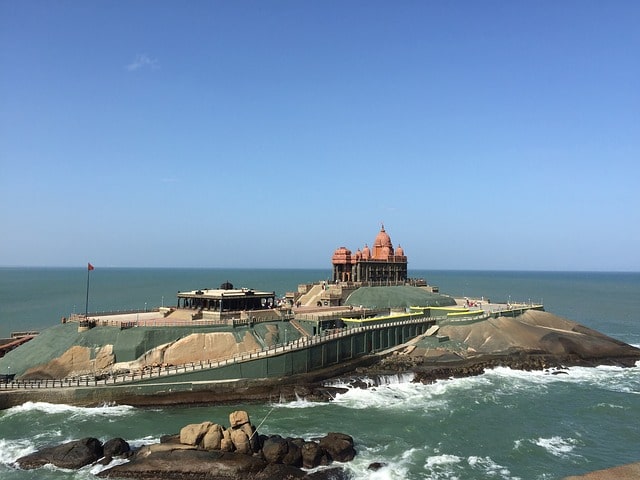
{"x":143,"y":60}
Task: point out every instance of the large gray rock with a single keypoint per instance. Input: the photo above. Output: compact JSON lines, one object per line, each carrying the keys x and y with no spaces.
{"x":71,"y":455}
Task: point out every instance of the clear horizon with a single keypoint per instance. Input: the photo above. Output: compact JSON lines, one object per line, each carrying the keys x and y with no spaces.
{"x":328,"y":268}
{"x":489,"y":136}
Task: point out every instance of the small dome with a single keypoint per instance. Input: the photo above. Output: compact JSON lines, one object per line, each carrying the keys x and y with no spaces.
{"x":400,"y":251}
{"x":366,"y":253}
{"x":226,"y":286}
{"x":342,"y":255}
{"x":383,"y":239}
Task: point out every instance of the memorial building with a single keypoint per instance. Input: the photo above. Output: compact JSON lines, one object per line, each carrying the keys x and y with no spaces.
{"x":379,"y":265}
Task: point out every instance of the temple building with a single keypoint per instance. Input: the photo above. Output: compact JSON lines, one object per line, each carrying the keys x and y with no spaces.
{"x":381,"y":265}
{"x":219,"y":303}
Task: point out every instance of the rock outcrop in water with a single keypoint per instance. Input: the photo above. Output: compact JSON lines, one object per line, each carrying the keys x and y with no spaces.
{"x":207,"y":451}
{"x":535,"y":340}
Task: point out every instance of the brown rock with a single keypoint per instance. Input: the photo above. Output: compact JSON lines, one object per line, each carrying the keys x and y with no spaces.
{"x":226,"y":444}
{"x":194,"y":433}
{"x":240,"y":441}
{"x":238,"y":418}
{"x":212,"y":440}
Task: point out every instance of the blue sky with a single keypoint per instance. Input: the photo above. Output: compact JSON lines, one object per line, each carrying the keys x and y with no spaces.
{"x":484,"y":134}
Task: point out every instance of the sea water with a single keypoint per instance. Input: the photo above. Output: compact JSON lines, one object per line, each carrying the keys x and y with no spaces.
{"x":504,"y":424}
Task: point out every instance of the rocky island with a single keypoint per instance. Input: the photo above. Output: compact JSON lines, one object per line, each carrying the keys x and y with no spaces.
{"x":218,"y":345}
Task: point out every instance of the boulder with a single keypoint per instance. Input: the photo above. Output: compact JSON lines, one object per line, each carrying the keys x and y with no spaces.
{"x":226,"y":444}
{"x":71,"y":455}
{"x":192,"y":434}
{"x":238,"y":418}
{"x":116,"y":447}
{"x":254,"y":438}
{"x":212,"y":440}
{"x":339,"y":446}
{"x":240,"y":441}
{"x":274,"y":448}
{"x":313,"y":456}
{"x":293,"y":456}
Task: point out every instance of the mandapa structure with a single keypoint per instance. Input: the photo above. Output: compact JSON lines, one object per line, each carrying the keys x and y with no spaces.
{"x":383,"y":265}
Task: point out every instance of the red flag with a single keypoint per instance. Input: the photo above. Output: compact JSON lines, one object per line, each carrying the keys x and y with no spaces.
{"x":89,"y":267}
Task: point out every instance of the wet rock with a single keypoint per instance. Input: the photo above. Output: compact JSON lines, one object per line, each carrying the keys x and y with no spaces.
{"x":339,"y":446}
{"x":293,"y":456}
{"x":116,"y":447}
{"x":274,"y":448}
{"x":71,"y":455}
{"x":313,"y":456}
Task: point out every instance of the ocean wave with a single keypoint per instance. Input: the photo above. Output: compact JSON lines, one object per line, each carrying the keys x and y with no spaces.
{"x":557,"y":446}
{"x":618,"y":379}
{"x":299,"y":402}
{"x":401,"y":396}
{"x":446,"y":466}
{"x":69,"y":410}
{"x":490,"y":468}
{"x":11,"y":450}
{"x":395,"y":468}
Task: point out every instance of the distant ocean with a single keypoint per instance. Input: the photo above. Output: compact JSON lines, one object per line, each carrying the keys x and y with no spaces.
{"x":502,"y":425}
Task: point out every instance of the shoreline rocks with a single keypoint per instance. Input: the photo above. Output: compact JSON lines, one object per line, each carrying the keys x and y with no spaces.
{"x":207,"y":451}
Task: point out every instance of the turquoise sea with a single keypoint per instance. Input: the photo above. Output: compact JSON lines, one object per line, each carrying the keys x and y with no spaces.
{"x":504,"y":424}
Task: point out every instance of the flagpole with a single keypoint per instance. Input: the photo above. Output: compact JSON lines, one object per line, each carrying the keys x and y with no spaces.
{"x":86,"y":307}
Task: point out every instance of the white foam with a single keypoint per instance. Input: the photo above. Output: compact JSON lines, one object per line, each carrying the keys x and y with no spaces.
{"x":11,"y":450}
{"x":557,"y":446}
{"x":438,"y":460}
{"x":490,"y":468}
{"x":618,"y":379}
{"x":299,"y":402}
{"x":396,"y":468}
{"x":402,"y":396}
{"x":443,"y":466}
{"x":139,"y":442}
{"x":95,"y":469}
{"x":70,"y":410}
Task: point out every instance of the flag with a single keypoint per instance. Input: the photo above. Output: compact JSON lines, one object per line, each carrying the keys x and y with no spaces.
{"x":89,"y":267}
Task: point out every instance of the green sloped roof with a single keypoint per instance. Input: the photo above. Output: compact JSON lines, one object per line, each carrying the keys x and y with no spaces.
{"x":397,"y":296}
